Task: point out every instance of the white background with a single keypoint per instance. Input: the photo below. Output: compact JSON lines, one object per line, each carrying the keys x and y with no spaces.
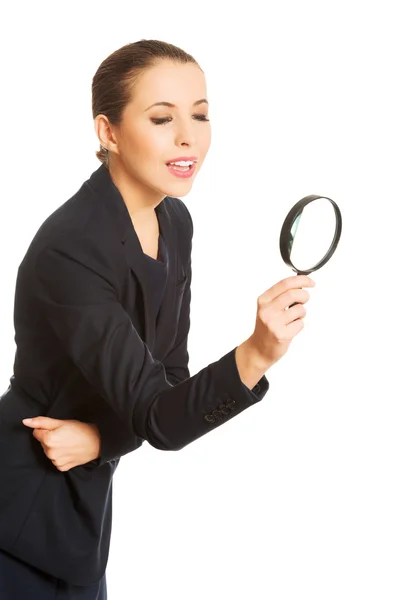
{"x":297,"y":497}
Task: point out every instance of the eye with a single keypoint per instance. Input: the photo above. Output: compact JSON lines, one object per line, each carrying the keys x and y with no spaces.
{"x":162,"y":121}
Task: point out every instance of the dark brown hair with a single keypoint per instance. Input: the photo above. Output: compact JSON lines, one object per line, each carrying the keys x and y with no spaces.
{"x":115,"y":78}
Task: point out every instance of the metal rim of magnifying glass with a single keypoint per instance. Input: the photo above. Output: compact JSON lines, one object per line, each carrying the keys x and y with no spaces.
{"x":285,"y":237}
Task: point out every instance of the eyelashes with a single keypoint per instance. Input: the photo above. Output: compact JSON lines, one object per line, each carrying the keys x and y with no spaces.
{"x":165,"y":120}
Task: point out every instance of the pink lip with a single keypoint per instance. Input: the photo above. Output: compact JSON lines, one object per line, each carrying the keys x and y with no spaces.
{"x":182,"y":158}
{"x":182,"y":174}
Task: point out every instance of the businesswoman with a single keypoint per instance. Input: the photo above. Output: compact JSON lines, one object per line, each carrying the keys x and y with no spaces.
{"x":102,"y":315}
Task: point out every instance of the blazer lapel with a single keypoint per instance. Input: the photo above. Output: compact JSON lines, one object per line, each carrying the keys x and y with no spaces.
{"x":102,"y":183}
{"x":137,"y":263}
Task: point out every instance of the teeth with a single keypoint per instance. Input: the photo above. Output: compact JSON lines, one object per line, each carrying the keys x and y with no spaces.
{"x":182,"y":163}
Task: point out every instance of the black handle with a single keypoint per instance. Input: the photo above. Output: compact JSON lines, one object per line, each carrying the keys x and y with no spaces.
{"x":294,"y":304}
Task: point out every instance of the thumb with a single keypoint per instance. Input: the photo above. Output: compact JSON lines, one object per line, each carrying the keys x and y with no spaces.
{"x":42,"y":423}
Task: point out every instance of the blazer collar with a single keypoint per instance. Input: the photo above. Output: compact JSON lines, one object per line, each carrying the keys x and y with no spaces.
{"x":101,"y":182}
{"x":110,"y":195}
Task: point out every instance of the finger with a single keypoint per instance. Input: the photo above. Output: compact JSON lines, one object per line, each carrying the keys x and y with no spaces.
{"x":290,"y":297}
{"x":67,"y":467}
{"x":295,"y":312}
{"x":280,"y":327}
{"x":294,"y":328}
{"x":273,"y":311}
{"x":40,"y":435}
{"x":31,"y":422}
{"x":286,"y":333}
{"x":58,"y":458}
{"x":42,"y":423}
{"x":64,"y":466}
{"x":296,"y":281}
{"x":46,"y":438}
{"x":63,"y":455}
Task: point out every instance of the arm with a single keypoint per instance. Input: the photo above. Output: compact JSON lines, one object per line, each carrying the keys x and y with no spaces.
{"x":177,"y":360}
{"x":80,"y":444}
{"x":176,"y":365}
{"x":81,"y":305}
{"x":176,"y":371}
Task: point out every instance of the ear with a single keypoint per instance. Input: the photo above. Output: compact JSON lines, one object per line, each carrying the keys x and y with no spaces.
{"x":105,"y":133}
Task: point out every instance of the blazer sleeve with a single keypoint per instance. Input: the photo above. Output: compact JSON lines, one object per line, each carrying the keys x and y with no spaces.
{"x":176,"y":363}
{"x":79,"y":298}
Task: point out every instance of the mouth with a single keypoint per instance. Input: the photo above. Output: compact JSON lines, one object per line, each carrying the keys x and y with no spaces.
{"x":182,"y":169}
{"x":182,"y":166}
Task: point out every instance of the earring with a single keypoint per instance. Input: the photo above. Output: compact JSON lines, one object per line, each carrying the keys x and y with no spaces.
{"x":107,"y":160}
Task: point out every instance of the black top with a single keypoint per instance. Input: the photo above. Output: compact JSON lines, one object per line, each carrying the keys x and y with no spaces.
{"x":157,"y":271}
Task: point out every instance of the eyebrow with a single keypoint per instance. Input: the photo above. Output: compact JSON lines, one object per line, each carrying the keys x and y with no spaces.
{"x":174,"y":106}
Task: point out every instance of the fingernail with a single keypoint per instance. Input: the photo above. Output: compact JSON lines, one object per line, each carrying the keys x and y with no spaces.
{"x":27,"y":420}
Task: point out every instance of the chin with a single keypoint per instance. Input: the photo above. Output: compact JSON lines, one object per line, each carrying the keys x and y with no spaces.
{"x":178,"y":190}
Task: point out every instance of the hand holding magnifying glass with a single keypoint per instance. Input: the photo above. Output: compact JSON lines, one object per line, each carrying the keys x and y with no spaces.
{"x":310,"y":234}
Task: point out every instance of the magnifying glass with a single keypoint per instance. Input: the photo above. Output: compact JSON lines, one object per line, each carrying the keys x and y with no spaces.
{"x":310,"y":234}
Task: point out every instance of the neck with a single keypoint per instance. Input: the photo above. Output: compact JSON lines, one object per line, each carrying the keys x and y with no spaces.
{"x":139,"y":199}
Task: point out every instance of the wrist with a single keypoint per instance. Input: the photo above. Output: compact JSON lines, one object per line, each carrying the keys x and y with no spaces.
{"x":257,"y":358}
{"x":250,"y":363}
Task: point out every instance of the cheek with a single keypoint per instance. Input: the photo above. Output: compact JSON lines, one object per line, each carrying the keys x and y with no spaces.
{"x":142,"y":141}
{"x":152,"y":146}
{"x":206,"y":141}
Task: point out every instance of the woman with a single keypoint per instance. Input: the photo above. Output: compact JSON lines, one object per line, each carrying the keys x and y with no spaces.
{"x":102,"y":319}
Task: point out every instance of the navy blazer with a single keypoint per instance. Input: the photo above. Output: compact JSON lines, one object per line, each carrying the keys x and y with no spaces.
{"x":90,"y":348}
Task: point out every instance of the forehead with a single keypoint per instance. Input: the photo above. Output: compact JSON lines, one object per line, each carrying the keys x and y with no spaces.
{"x":171,"y":82}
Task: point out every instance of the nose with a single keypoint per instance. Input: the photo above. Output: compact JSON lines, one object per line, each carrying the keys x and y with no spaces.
{"x":185,"y":135}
